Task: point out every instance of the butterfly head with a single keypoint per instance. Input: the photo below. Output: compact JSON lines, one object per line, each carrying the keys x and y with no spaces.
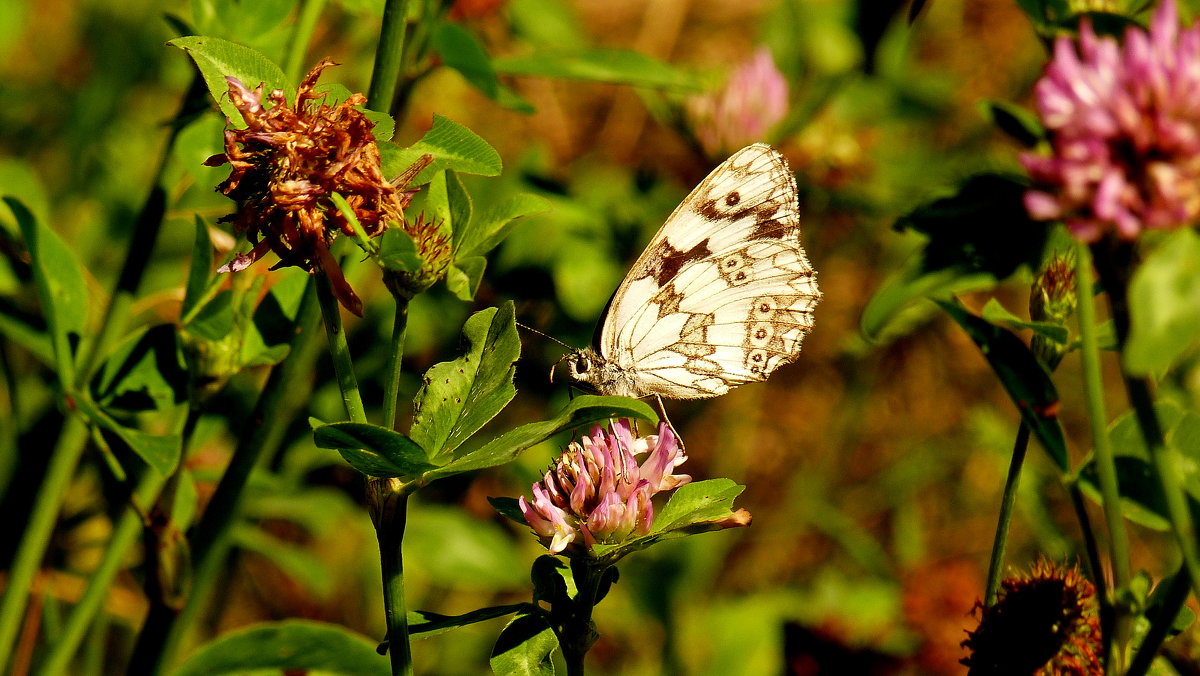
{"x":582,"y":365}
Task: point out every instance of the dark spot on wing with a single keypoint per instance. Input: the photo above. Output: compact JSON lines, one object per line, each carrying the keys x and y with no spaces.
{"x":667,"y":261}
{"x":733,"y":198}
{"x":769,"y":228}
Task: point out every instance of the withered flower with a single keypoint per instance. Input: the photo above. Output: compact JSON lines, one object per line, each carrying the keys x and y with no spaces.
{"x":288,"y":162}
{"x":1045,"y":622}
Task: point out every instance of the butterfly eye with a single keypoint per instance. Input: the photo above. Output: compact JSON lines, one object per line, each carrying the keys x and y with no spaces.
{"x":582,"y":365}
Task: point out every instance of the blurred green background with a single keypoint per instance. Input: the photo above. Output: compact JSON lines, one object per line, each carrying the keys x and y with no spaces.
{"x":873,"y":471}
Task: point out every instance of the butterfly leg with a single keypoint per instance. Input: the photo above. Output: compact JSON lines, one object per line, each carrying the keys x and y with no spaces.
{"x":662,"y":414}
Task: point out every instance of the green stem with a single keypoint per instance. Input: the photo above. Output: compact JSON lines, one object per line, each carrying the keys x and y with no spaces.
{"x":1160,"y":626}
{"x":37,"y":533}
{"x":285,"y":393}
{"x":1106,"y":469}
{"x":310,"y":11}
{"x":389,"y":512}
{"x":579,"y":632}
{"x":391,"y":383}
{"x":388,"y":56}
{"x":127,"y":532}
{"x":1095,"y":566}
{"x":1114,"y":266}
{"x":339,"y":350}
{"x":1008,"y":502}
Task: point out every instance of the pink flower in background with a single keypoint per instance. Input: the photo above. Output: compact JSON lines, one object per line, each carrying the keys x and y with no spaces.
{"x":753,"y":100}
{"x":1124,"y":125}
{"x":597,"y":493}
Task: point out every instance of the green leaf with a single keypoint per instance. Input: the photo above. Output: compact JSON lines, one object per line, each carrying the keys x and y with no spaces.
{"x":486,"y":232}
{"x":214,"y":319}
{"x":459,"y":397}
{"x":200,"y":270}
{"x":293,"y":645}
{"x":1142,"y":500}
{"x":525,"y":648}
{"x":423,"y":624}
{"x":143,"y":372}
{"x":160,"y":452}
{"x":218,"y":59}
{"x":697,"y":502}
{"x":452,"y":146}
{"x":583,"y":410}
{"x":374,"y":450}
{"x":61,"y":288}
{"x":398,"y":251}
{"x":694,"y":508}
{"x":977,"y":237}
{"x":612,"y":66}
{"x":464,"y":275}
{"x":1024,"y":378}
{"x":996,"y":313}
{"x":1164,"y":299}
{"x":448,"y":203}
{"x":26,"y":330}
{"x":461,"y":51}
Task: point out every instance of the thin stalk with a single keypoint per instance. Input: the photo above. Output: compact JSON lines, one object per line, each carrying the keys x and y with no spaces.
{"x":1114,"y":267}
{"x":389,"y":56}
{"x":1095,"y":567}
{"x":1008,"y":502}
{"x":310,"y":11}
{"x":339,"y":350}
{"x":389,"y":512}
{"x":127,"y":532}
{"x":37,"y":533}
{"x":391,"y":383}
{"x":285,"y":392}
{"x":1177,"y":592}
{"x":1106,"y":469}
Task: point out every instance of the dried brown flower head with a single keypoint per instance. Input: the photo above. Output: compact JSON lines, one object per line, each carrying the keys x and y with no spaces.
{"x":1044,"y":623}
{"x":288,"y":162}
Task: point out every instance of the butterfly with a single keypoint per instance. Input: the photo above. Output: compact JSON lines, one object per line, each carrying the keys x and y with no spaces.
{"x":723,"y":294}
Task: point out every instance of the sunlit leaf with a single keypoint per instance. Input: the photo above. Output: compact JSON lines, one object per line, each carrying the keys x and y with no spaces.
{"x":452,"y":146}
{"x":460,"y":396}
{"x":583,"y":410}
{"x":525,"y":648}
{"x":489,"y":229}
{"x":461,"y":51}
{"x":996,"y":313}
{"x":218,"y":59}
{"x":294,"y":645}
{"x":464,"y":275}
{"x":201,"y":268}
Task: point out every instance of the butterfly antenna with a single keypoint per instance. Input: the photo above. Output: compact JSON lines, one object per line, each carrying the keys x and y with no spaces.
{"x":547,"y":337}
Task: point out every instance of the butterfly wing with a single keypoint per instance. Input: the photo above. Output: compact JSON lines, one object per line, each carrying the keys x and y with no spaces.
{"x":723,"y":294}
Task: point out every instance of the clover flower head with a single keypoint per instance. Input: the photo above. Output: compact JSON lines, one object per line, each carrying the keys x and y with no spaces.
{"x":287,"y":163}
{"x":753,"y":100}
{"x":1124,"y":128}
{"x":596,"y":492}
{"x":1043,"y":623}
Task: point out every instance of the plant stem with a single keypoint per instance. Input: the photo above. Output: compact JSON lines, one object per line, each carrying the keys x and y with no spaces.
{"x":389,"y":513}
{"x":579,"y":632}
{"x":127,"y":532}
{"x":310,"y":11}
{"x":1177,"y":592}
{"x":389,"y":56}
{"x":1115,"y":266}
{"x":339,"y":350}
{"x":1118,"y":538}
{"x":1000,"y":542}
{"x":37,"y":534}
{"x":286,"y":392}
{"x":1094,"y":564}
{"x":391,"y":383}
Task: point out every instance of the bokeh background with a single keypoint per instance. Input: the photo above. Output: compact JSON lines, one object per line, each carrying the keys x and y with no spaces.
{"x":873,"y":469}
